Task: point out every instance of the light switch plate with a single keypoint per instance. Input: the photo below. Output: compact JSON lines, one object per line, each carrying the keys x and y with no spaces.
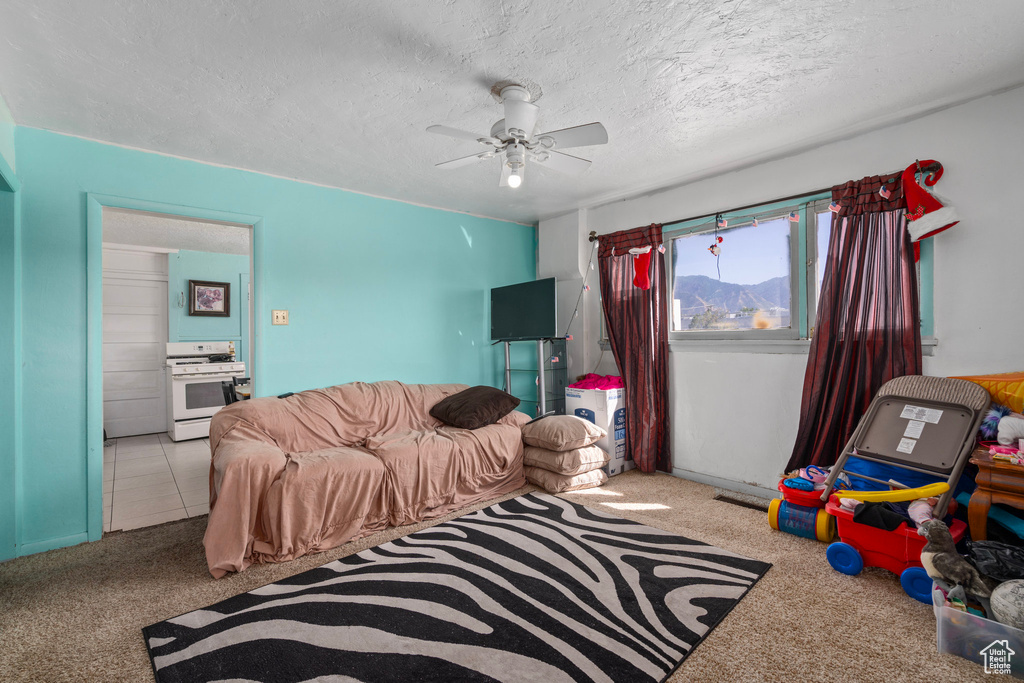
{"x":279,"y":317}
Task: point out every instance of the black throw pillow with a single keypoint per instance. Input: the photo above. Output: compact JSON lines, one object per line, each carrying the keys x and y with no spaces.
{"x":474,"y":407}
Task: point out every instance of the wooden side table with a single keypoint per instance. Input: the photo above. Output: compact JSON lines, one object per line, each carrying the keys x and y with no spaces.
{"x":998,"y":482}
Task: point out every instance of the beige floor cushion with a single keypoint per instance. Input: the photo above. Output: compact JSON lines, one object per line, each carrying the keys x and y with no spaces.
{"x":576,"y":461}
{"x":556,"y":483}
{"x":562,"y":433}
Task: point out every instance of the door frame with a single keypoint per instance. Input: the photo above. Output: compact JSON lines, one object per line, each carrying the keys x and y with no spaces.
{"x":12,"y":523}
{"x":95,"y":203}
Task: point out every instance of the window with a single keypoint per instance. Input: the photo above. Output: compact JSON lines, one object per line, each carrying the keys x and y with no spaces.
{"x":754,"y":288}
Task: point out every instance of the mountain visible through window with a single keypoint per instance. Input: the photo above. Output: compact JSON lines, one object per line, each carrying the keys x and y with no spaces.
{"x":748,"y":285}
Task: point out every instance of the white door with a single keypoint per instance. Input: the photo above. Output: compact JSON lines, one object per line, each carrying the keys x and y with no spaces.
{"x":134,"y":342}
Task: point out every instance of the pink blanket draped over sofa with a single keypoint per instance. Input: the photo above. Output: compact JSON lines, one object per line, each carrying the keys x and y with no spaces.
{"x":314,"y":470}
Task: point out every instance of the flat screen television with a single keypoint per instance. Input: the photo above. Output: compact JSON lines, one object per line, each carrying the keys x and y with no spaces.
{"x":524,"y":311}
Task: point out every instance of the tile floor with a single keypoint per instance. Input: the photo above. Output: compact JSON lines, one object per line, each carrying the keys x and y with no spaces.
{"x":150,"y":480}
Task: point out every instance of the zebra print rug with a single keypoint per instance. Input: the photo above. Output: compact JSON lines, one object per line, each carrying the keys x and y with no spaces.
{"x":532,"y":589}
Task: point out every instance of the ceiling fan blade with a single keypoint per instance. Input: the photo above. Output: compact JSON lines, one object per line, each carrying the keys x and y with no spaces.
{"x":464,"y":161}
{"x":565,"y":163}
{"x":461,"y":134}
{"x":578,"y":136}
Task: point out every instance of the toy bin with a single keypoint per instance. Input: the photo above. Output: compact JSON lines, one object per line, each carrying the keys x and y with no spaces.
{"x":994,"y":646}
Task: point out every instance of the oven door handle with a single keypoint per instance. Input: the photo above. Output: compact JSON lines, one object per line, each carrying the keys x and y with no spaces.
{"x":212,"y":376}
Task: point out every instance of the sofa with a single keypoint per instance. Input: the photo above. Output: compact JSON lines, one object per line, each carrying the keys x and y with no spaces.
{"x":311,"y":471}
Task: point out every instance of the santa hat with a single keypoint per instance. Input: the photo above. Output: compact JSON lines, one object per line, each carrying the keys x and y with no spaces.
{"x":927,"y":214}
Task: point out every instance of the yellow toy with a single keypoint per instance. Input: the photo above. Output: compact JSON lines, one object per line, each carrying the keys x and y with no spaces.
{"x":897,"y":496}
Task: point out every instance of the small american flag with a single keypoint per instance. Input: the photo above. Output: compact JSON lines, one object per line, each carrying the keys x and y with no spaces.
{"x":885,"y":192}
{"x":754,"y":224}
{"x":722,"y":222}
{"x":834,"y":207}
{"x":793,"y":218}
{"x":661,"y":248}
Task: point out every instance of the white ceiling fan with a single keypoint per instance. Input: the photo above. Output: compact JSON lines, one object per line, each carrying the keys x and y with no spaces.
{"x":513,"y":141}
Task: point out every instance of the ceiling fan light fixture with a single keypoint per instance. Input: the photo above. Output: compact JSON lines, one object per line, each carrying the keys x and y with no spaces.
{"x":513,"y":139}
{"x":515,"y":159}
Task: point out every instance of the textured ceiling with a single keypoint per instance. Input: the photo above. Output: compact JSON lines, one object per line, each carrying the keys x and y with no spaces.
{"x":166,"y":232}
{"x":340,"y":93}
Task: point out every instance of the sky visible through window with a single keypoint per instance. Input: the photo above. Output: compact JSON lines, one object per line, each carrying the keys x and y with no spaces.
{"x":749,"y":255}
{"x":824,"y":231}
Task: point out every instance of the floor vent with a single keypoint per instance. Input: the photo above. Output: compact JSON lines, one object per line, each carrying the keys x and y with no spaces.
{"x":763,"y":507}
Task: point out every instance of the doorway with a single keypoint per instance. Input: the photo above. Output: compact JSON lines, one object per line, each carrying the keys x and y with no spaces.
{"x":148,"y":261}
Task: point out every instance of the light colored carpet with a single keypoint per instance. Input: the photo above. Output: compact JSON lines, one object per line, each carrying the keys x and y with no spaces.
{"x":76,"y":614}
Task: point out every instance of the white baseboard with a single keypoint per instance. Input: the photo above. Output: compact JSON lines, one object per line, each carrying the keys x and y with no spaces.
{"x":738,"y":486}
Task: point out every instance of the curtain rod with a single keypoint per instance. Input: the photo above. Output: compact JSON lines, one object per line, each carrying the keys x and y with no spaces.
{"x":926,"y":169}
{"x":750,"y":206}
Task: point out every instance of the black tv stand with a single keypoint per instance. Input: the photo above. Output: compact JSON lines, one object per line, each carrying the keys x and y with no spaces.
{"x":551,"y":373}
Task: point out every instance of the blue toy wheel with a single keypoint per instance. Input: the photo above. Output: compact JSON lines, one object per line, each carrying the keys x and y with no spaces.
{"x":917,"y":584}
{"x":844,"y":558}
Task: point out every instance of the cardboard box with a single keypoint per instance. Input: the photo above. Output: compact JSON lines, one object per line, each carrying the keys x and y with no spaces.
{"x":606,"y":409}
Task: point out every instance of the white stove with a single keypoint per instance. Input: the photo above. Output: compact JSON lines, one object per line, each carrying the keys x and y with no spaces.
{"x":195,"y":371}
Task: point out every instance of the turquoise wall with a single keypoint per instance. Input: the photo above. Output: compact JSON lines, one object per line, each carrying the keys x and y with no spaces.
{"x":204,"y":265}
{"x":376,"y":289}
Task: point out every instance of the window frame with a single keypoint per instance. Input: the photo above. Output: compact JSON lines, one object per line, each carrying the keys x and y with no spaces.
{"x":792,"y":339}
{"x":803,"y":250}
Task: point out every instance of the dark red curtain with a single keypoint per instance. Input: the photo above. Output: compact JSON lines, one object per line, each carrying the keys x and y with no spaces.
{"x":868,"y":328}
{"x":637,"y":322}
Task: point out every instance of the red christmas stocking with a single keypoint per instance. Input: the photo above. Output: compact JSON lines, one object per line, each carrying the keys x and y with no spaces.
{"x":641,"y":268}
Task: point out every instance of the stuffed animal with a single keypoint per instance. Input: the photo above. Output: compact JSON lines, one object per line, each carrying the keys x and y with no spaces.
{"x":990,"y":424}
{"x":941,"y":560}
{"x":1011,"y":429}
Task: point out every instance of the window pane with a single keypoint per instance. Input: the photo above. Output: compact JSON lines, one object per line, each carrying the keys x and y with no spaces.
{"x":824,"y":231}
{"x":753,"y":291}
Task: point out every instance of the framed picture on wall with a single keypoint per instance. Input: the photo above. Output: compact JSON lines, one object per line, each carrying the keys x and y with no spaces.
{"x":209,"y":298}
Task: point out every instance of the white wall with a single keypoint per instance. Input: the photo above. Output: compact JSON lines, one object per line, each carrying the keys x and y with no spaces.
{"x":564,"y":254}
{"x":6,"y":134}
{"x":734,"y":415}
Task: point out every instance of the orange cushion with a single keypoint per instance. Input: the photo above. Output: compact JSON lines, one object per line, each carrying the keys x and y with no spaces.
{"x":1006,"y":388}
